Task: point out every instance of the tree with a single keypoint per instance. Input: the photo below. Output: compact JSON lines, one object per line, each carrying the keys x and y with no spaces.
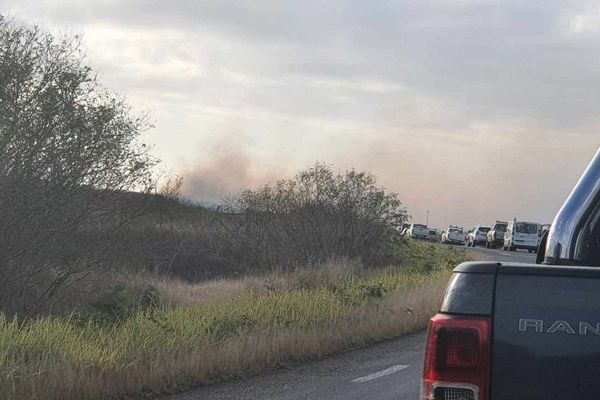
{"x":67,"y":145}
{"x":314,"y":216}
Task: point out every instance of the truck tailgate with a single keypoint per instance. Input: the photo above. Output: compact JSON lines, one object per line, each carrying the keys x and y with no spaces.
{"x":546,"y":333}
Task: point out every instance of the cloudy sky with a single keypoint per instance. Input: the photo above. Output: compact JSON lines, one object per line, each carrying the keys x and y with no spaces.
{"x":476,"y":110}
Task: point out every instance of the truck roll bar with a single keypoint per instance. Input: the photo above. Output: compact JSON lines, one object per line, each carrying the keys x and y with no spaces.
{"x":567,"y":241}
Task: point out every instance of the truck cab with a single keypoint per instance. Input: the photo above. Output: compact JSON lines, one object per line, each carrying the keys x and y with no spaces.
{"x":509,"y":331}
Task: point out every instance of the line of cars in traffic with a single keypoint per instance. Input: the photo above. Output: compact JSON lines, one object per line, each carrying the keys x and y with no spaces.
{"x":512,"y":235}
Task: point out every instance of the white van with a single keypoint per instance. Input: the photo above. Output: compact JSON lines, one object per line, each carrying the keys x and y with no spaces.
{"x":522,"y":235}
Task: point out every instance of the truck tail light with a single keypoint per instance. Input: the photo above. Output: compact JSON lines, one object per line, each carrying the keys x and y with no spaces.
{"x":457,"y":358}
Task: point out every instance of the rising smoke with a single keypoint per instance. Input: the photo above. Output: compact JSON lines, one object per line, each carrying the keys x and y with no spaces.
{"x":229,"y":168}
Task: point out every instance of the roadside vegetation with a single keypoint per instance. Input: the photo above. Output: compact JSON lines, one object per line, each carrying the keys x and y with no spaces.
{"x":221,"y":329}
{"x":112,"y":286}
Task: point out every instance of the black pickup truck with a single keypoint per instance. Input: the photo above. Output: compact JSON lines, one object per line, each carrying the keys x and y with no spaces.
{"x":510,"y":331}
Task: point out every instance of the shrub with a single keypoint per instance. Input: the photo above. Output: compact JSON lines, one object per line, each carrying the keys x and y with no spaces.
{"x":317,"y":215}
{"x":68,"y":145}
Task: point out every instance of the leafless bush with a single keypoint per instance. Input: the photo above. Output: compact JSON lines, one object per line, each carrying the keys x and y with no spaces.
{"x":317,"y":215}
{"x":67,"y":147}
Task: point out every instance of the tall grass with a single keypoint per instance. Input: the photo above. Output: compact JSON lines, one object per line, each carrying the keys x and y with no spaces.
{"x":261,"y":323}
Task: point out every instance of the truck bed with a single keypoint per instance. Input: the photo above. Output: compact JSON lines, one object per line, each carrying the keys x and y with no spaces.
{"x":545,"y":327}
{"x":546,"y":333}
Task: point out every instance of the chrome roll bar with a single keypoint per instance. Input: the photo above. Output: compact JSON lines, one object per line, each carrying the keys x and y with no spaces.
{"x":566,"y":244}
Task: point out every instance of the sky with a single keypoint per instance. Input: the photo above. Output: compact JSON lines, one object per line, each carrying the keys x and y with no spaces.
{"x":474,"y":110}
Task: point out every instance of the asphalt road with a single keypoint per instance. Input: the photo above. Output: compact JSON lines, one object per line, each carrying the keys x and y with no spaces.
{"x":520,"y":256}
{"x":386,"y":371}
{"x":390,"y":370}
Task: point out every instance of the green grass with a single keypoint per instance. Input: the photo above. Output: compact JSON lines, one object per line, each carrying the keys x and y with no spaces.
{"x":313,"y":307}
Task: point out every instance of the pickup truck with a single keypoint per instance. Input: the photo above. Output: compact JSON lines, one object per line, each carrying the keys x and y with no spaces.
{"x":495,"y":237}
{"x":453,"y":235}
{"x":509,"y":331}
{"x":417,"y":231}
{"x":477,"y":236}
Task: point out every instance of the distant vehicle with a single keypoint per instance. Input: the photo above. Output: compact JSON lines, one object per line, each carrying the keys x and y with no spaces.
{"x":433,"y":234}
{"x":404,"y":228}
{"x":478,"y":236}
{"x":453,"y":235}
{"x":522,"y":235}
{"x":544,"y":228}
{"x":417,"y":231}
{"x":495,"y":237}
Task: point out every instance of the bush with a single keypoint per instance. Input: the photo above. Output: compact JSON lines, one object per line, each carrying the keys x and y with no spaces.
{"x":68,"y":146}
{"x":317,"y":215}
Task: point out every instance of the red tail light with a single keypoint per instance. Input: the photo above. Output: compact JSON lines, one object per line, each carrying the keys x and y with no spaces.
{"x":457,"y":359}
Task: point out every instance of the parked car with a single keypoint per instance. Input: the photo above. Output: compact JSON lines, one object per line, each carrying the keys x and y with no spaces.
{"x":522,"y":235}
{"x":453,"y":235}
{"x":433,"y":234}
{"x":495,"y":237}
{"x":477,"y":236}
{"x":524,"y":331}
{"x":417,"y":231}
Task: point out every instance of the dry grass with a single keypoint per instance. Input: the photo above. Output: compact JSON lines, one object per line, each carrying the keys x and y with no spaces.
{"x":179,"y":293}
{"x":218,"y":330}
{"x":235,"y":357}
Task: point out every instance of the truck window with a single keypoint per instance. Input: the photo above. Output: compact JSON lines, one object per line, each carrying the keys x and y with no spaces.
{"x":525,"y":228}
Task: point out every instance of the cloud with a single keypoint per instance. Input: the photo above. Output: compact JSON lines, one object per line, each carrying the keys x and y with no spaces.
{"x":460,"y":105}
{"x":164,"y":54}
{"x":587,"y":22}
{"x":492,"y":58}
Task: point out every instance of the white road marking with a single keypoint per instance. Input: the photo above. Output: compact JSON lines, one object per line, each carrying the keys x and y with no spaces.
{"x":380,"y":374}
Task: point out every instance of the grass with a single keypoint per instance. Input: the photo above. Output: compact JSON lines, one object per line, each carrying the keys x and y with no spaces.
{"x":221,"y":330}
